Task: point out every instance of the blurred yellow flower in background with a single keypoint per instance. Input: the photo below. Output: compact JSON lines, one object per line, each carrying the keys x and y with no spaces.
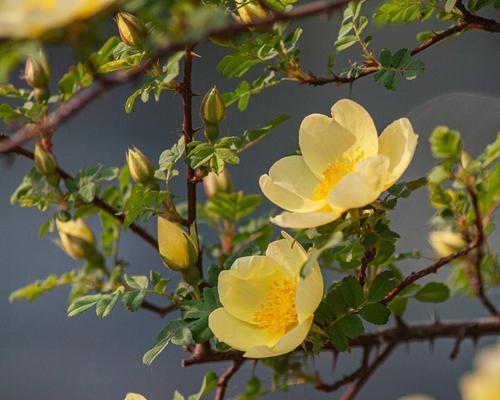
{"x":134,"y":396}
{"x":32,"y":18}
{"x":445,"y":243}
{"x":75,"y":236}
{"x":344,"y":164}
{"x":484,"y":382}
{"x":267,"y":307}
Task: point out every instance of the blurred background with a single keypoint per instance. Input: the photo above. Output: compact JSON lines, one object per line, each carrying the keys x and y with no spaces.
{"x":45,"y":355}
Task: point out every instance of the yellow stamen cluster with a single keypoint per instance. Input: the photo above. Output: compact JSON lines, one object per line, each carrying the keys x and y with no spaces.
{"x":333,"y":173}
{"x":278,"y":312}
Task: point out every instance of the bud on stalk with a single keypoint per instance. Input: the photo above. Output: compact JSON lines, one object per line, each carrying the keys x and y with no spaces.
{"x":213,"y":111}
{"x":77,"y":240}
{"x":176,"y":247}
{"x":214,"y":183}
{"x":35,"y":73}
{"x":140,"y":167}
{"x":132,"y":31}
{"x":45,"y":163}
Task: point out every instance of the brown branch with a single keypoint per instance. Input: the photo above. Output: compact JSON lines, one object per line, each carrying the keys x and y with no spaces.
{"x":399,"y":334}
{"x":161,"y":311}
{"x":477,"y":282}
{"x":97,"y":202}
{"x":414,"y":276}
{"x":365,"y":261}
{"x":365,"y":375}
{"x":63,"y":112}
{"x":224,"y":379}
{"x":324,"y":387}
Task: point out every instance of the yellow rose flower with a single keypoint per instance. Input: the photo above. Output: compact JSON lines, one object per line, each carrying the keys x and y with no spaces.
{"x":32,"y":18}
{"x":267,"y":307}
{"x":445,"y":243}
{"x":75,"y":236}
{"x":484,"y":382}
{"x":344,"y":164}
{"x":134,"y":396}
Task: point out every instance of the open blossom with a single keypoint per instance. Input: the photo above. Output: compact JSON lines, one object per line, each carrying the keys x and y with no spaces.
{"x":484,"y":382}
{"x":32,"y":18}
{"x":344,"y":165}
{"x":267,"y":307}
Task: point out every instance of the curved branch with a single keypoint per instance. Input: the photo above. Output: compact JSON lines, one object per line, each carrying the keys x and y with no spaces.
{"x":224,"y":379}
{"x":97,"y":202}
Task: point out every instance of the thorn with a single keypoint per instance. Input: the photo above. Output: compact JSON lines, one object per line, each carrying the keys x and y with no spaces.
{"x":431,"y":344}
{"x":195,"y":54}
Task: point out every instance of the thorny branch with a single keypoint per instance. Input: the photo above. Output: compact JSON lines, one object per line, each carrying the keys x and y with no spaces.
{"x":224,"y":379}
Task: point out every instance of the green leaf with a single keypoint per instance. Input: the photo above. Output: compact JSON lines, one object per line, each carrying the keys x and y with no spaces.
{"x":176,"y":332}
{"x":352,"y":326}
{"x":33,"y":290}
{"x":352,"y":291}
{"x":209,"y":383}
{"x":316,"y":253}
{"x":133,"y":299}
{"x":433,"y":292}
{"x":196,"y":312}
{"x":337,"y":337}
{"x":107,"y":302}
{"x":254,"y":135}
{"x":82,"y":304}
{"x":336,"y":302}
{"x":375,"y":313}
{"x":446,"y":143}
{"x":382,"y":285}
{"x":136,"y":281}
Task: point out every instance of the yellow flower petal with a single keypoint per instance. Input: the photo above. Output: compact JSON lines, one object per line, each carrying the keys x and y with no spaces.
{"x":304,"y":220}
{"x":322,"y":141}
{"x":292,"y":173}
{"x":361,"y":187}
{"x":398,"y":142}
{"x":177,"y":249}
{"x":445,"y":243}
{"x":134,"y":396}
{"x":292,"y":256}
{"x":285,"y":198}
{"x":236,"y":333}
{"x":356,"y":120}
{"x":243,"y":288}
{"x":286,"y":344}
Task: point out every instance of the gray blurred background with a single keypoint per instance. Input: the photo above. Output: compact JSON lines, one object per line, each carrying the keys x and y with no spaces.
{"x":45,"y":355}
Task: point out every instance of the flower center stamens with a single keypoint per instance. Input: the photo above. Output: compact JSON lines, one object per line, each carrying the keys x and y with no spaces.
{"x":278,"y":312}
{"x":335,"y":171}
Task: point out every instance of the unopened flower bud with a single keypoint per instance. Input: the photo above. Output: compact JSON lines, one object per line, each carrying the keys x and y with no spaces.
{"x":214,"y":183}
{"x":140,"y":167}
{"x":35,"y":73}
{"x":213,"y":108}
{"x":445,"y":243}
{"x":45,"y":163}
{"x":176,"y":247}
{"x":465,"y":159}
{"x":77,"y":240}
{"x":251,"y":12}
{"x":132,"y":31}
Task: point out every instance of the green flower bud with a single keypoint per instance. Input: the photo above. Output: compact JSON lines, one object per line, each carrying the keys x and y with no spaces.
{"x":214,"y":183}
{"x":139,"y":165}
{"x":35,"y":73}
{"x":176,"y":247}
{"x":132,"y":31}
{"x":45,"y":163}
{"x":213,"y":109}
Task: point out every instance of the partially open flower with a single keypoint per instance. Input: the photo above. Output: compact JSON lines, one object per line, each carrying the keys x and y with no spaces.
{"x":76,"y":237}
{"x":267,"y":308}
{"x":176,"y":248}
{"x":32,"y":18}
{"x":344,"y":165}
{"x":484,"y":382}
{"x":445,"y":243}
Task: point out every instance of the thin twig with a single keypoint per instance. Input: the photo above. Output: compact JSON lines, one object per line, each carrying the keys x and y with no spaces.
{"x":161,"y":311}
{"x":97,"y":202}
{"x":224,"y":379}
{"x":365,"y":375}
{"x":414,"y":276}
{"x":365,"y":261}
